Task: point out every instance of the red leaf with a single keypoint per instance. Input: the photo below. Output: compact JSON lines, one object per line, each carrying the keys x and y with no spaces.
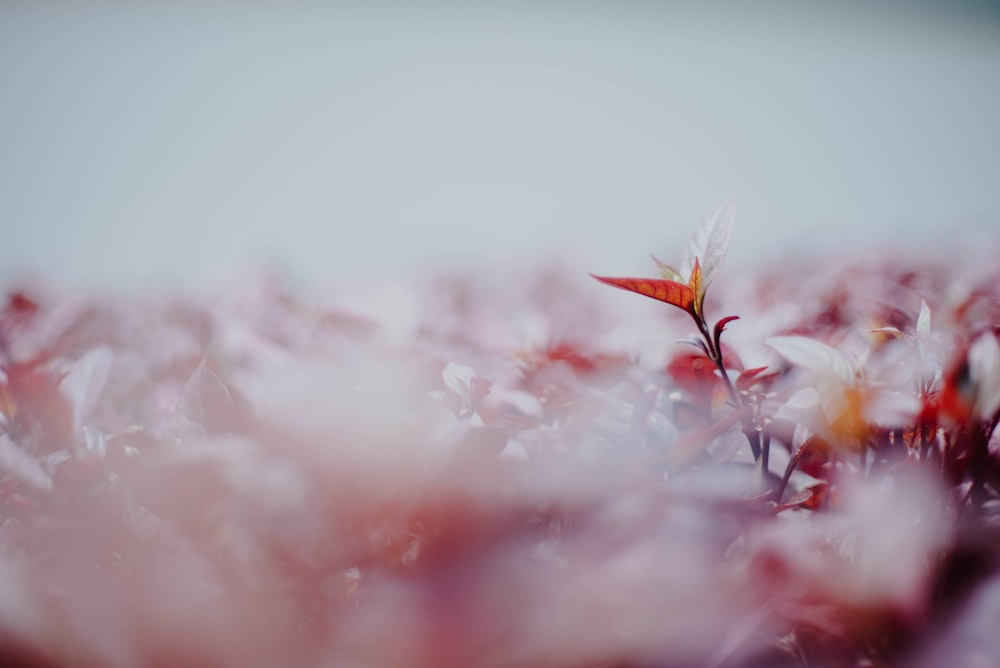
{"x":671,"y":292}
{"x":570,"y":354}
{"x":748,"y":378}
{"x":695,"y":375}
{"x":720,"y":326}
{"x":20,"y":304}
{"x":810,"y":498}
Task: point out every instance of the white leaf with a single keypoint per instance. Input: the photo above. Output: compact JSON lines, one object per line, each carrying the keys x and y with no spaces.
{"x":514,"y":450}
{"x":83,"y":384}
{"x":709,"y":243}
{"x":814,"y":356}
{"x":810,"y":409}
{"x":984,"y":366}
{"x":458,"y":378}
{"x":891,"y":409}
{"x":804,"y":402}
{"x":204,"y":396}
{"x":924,"y":320}
{"x":24,"y":466}
{"x":800,"y":436}
{"x":521,"y":401}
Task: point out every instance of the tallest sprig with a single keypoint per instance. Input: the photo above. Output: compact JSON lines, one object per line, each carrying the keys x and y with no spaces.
{"x":703,"y":256}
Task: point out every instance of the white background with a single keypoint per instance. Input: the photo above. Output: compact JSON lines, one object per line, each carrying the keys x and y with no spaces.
{"x":162,"y":146}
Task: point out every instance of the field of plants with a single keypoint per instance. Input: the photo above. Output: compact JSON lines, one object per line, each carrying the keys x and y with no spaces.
{"x":791,"y":467}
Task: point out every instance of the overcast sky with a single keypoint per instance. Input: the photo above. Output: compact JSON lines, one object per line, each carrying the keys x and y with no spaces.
{"x":157,"y":145}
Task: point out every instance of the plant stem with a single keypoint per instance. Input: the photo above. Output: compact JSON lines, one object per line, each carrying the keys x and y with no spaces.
{"x":746,"y":421}
{"x":765,"y":452}
{"x":789,"y":469}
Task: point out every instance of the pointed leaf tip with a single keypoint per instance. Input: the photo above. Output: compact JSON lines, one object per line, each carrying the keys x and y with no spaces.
{"x":709,"y":243}
{"x":671,"y":292}
{"x":721,"y":325}
{"x":748,"y":377}
{"x":667,"y":272}
{"x":814,"y":356}
{"x":924,"y":319}
{"x":695,"y":279}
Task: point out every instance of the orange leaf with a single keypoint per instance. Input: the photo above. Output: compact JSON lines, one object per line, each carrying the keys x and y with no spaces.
{"x":670,"y":292}
{"x":694,"y":282}
{"x":7,"y":406}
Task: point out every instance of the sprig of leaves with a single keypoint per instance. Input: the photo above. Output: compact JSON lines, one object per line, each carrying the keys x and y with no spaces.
{"x":703,"y":255}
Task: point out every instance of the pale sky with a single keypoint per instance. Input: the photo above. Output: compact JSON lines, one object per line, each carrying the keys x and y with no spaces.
{"x":160,"y":145}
